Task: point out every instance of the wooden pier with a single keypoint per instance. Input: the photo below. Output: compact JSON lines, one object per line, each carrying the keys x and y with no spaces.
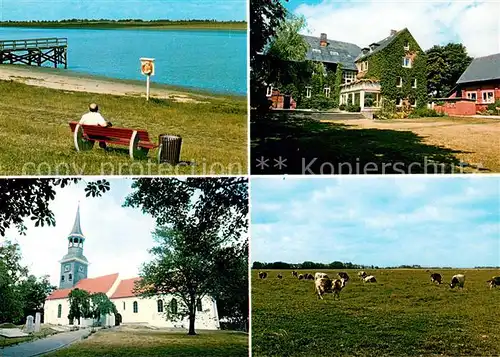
{"x":35,"y":52}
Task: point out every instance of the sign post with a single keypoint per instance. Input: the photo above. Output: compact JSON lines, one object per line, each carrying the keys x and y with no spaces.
{"x":148,"y":69}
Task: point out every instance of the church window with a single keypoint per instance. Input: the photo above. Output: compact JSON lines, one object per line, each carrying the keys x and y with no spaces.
{"x":70,"y":277}
{"x":62,"y":277}
{"x":160,"y":305}
{"x":59,"y":311}
{"x":173,"y":306}
{"x":198,"y":305}
{"x":136,"y":307}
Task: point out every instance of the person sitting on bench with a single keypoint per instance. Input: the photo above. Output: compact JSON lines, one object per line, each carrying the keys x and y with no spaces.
{"x":93,"y":117}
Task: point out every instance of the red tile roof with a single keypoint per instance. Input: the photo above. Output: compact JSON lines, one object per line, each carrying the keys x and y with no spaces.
{"x":125,"y":288}
{"x":101,"y":284}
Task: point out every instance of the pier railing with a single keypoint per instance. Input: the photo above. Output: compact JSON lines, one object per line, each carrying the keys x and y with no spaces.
{"x":36,"y":43}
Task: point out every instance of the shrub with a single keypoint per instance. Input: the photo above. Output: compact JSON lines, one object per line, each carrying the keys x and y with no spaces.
{"x":353,"y":108}
{"x":425,"y":113}
{"x":493,"y":107}
{"x":342,"y":106}
{"x":318,"y":101}
{"x":387,"y":110}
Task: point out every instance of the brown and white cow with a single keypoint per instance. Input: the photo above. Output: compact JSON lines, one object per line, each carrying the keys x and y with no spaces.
{"x":262,"y":274}
{"x":369,"y":279}
{"x":320,"y":276}
{"x":301,"y":276}
{"x":279,"y":276}
{"x":495,"y":281}
{"x":343,"y":275}
{"x":362,"y":275}
{"x":294,"y":274}
{"x":436,"y":278}
{"x":326,"y":285}
{"x":457,"y":280}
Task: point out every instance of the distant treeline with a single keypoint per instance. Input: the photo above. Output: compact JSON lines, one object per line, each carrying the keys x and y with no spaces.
{"x":119,"y":20}
{"x":340,"y":265}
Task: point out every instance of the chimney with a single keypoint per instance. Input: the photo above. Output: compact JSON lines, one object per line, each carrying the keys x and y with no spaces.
{"x":393,"y":32}
{"x":322,"y":40}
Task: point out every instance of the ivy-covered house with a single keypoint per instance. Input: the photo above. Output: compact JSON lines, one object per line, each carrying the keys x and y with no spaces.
{"x":391,"y":69}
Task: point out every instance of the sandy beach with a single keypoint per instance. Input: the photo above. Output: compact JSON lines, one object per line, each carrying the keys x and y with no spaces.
{"x":76,"y":82}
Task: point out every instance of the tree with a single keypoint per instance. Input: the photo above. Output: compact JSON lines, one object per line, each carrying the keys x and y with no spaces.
{"x":445,"y":65}
{"x":79,"y":305}
{"x":11,"y":272}
{"x":196,"y":218}
{"x":265,"y":18}
{"x":231,"y":287}
{"x":30,"y":198}
{"x":100,"y":305}
{"x":33,"y":292}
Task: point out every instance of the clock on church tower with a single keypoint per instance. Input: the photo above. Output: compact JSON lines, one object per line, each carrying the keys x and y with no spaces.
{"x":74,"y":264}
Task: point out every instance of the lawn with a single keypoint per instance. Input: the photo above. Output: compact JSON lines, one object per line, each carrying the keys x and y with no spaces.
{"x":148,"y":343}
{"x":403,"y":314}
{"x":425,"y":145}
{"x":36,"y":139}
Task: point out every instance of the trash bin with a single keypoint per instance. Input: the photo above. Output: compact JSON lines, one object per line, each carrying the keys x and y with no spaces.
{"x":170,"y":149}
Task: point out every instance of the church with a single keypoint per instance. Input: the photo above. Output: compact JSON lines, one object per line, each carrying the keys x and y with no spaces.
{"x":132,"y":309}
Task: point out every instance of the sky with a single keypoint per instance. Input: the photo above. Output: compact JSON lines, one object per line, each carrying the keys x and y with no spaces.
{"x":117,"y":239}
{"x":222,"y":10}
{"x":383,"y":221}
{"x":475,"y":23}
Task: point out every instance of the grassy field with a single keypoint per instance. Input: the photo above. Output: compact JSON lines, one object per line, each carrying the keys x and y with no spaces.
{"x":36,"y":139}
{"x":157,"y":25}
{"x":141,"y":343}
{"x":424,"y":145}
{"x":404,"y":314}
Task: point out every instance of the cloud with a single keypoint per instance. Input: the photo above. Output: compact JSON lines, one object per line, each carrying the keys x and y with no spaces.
{"x":377,"y":220}
{"x":474,"y":23}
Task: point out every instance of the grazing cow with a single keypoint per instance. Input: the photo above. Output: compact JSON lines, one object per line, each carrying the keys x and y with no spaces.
{"x":301,"y":276}
{"x":320,"y":276}
{"x":323,"y":286}
{"x":495,"y":281}
{"x":343,"y":275}
{"x":262,"y":275}
{"x":457,"y":280}
{"x":310,"y":277}
{"x":370,"y":279}
{"x":436,"y":278}
{"x":362,"y":275}
{"x":280,"y":276}
{"x":294,"y":273}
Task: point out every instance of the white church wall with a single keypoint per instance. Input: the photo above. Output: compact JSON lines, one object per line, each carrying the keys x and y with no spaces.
{"x":147,"y":313}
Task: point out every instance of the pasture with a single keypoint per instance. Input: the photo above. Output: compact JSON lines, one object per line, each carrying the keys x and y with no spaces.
{"x":403,"y":314}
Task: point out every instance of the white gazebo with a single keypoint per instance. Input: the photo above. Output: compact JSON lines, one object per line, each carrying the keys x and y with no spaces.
{"x":360,"y":92}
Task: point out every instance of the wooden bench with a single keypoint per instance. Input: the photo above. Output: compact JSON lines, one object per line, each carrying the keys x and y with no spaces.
{"x":138,"y":142}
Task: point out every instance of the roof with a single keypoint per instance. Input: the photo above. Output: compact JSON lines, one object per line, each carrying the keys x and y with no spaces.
{"x":381,"y":45}
{"x":482,"y":69}
{"x":101,"y":284}
{"x":335,"y":52}
{"x":125,"y":288}
{"x":77,"y":230}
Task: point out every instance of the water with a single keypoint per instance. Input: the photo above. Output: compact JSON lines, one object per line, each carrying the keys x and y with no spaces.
{"x":209,"y":60}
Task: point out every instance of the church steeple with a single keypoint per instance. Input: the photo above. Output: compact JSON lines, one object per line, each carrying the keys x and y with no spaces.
{"x":74,"y":264}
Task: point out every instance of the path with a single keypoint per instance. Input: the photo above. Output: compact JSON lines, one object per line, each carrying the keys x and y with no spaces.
{"x":44,"y":345}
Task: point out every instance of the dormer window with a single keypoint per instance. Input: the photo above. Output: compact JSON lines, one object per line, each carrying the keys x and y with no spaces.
{"x":334,"y":53}
{"x":406,"y":62}
{"x":70,"y":277}
{"x":373,"y":46}
{"x":399,"y":82}
{"x":407,"y":46}
{"x":316,"y":50}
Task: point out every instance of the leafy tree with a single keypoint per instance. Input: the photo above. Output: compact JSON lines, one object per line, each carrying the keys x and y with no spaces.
{"x":258,"y":265}
{"x":11,"y":272}
{"x":79,"y":305}
{"x":33,"y":292}
{"x":100,"y":305}
{"x":445,"y":65}
{"x":231,"y":286}
{"x":30,"y":198}
{"x":196,"y":218}
{"x":265,"y":18}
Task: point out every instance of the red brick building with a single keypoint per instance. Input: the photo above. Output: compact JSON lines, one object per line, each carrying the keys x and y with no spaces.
{"x":480,"y":82}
